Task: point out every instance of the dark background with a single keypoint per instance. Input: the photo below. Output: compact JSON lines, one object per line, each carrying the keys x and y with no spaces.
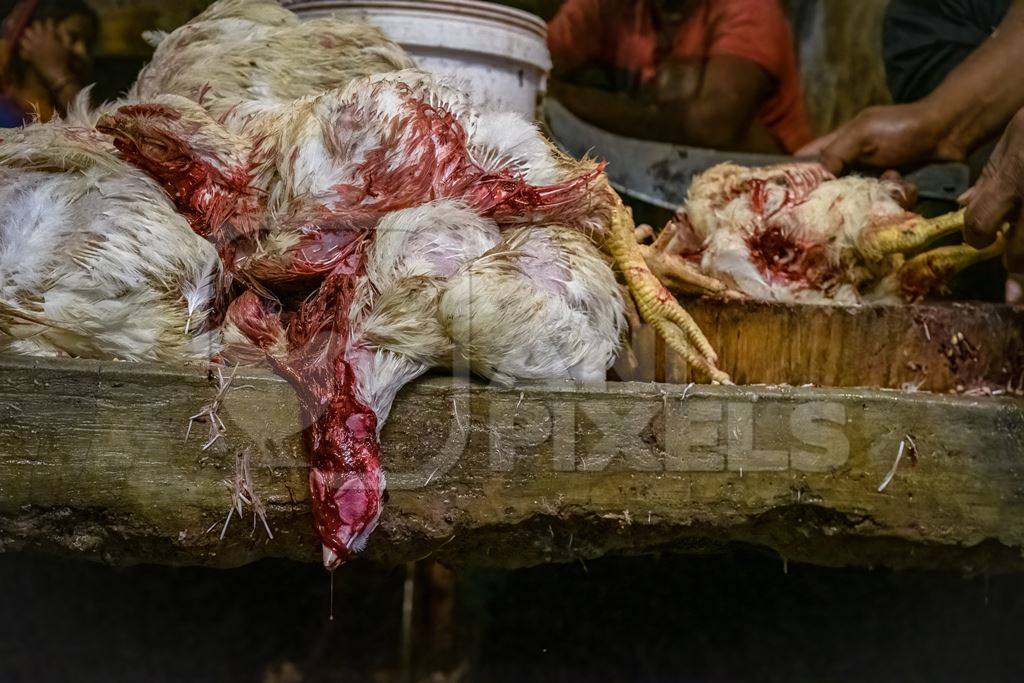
{"x":740,"y":616}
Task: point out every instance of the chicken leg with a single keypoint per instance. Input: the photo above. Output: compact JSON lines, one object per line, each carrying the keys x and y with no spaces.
{"x":656,"y":304}
{"x":930,"y":270}
{"x":674,"y":272}
{"x":907,"y":235}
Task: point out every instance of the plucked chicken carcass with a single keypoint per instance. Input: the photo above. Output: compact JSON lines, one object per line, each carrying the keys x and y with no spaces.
{"x":423,"y":231}
{"x":95,"y":262}
{"x":795,"y":233}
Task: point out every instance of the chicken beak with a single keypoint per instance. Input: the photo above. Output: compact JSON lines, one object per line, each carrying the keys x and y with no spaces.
{"x":108,"y":124}
{"x":118,"y":126}
{"x":331,"y":559}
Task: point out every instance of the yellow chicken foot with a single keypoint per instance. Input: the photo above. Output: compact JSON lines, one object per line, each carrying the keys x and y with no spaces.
{"x":877,"y":242}
{"x":656,"y":304}
{"x":930,"y":270}
{"x":678,"y":275}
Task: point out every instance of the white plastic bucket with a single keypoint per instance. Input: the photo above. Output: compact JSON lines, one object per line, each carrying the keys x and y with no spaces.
{"x":497,"y":54}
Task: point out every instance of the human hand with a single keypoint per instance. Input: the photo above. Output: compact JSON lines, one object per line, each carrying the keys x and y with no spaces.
{"x":884,"y":137}
{"x":43,"y":48}
{"x":996,"y":198}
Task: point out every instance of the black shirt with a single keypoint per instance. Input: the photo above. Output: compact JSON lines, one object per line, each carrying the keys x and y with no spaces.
{"x":924,"y":40}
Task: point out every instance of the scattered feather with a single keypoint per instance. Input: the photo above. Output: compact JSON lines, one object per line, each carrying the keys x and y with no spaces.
{"x":895,"y":465}
{"x":244,"y":493}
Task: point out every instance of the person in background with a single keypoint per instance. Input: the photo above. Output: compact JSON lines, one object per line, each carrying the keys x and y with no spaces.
{"x":709,"y":73}
{"x":953,"y":68}
{"x":45,"y":57}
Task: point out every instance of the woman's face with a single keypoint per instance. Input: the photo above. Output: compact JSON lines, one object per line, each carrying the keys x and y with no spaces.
{"x":78,"y":34}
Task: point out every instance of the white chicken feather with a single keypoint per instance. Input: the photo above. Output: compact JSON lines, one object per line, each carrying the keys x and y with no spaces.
{"x":244,"y":56}
{"x":94,"y":260}
{"x":537,"y":303}
{"x":543,"y":304}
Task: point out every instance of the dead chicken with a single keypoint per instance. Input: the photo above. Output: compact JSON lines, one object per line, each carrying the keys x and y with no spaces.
{"x":95,"y":262}
{"x":247,"y":56}
{"x":244,"y":56}
{"x":429,"y":236}
{"x":436,"y":280}
{"x":216,"y":48}
{"x":298,"y":200}
{"x":795,"y":233}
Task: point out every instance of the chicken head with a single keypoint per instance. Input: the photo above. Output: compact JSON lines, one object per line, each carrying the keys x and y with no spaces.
{"x":340,"y":432}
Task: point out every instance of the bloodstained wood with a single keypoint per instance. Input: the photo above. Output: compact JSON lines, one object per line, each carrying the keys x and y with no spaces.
{"x":94,"y":463}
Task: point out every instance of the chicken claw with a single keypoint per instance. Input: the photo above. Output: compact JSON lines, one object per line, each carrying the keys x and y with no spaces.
{"x":656,"y":304}
{"x":909,"y":235}
{"x":676,"y":273}
{"x":930,"y":270}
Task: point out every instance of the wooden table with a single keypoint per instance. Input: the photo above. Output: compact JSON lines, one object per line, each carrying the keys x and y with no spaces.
{"x":94,"y":462}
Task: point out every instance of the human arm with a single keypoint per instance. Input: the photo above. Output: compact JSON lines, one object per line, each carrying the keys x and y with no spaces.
{"x":970,"y":107}
{"x":42,"y":47}
{"x":711,"y":104}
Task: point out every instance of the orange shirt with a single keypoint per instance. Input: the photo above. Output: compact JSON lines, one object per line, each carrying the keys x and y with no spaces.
{"x":621,"y":34}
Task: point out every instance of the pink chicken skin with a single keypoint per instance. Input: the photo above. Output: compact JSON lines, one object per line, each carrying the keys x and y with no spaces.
{"x":292,"y":204}
{"x":346,"y":481}
{"x":212,"y":193}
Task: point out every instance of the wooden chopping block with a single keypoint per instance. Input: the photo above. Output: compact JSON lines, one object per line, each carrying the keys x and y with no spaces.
{"x":939,"y":347}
